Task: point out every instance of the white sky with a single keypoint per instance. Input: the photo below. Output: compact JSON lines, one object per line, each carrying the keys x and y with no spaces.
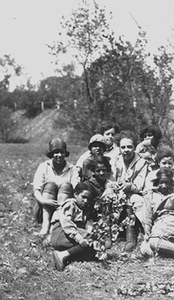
{"x":26,"y":26}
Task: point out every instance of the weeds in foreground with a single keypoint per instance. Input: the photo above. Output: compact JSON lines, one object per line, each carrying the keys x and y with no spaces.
{"x":26,"y":268}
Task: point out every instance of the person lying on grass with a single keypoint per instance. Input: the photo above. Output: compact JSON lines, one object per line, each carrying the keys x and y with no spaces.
{"x":158,"y":219}
{"x":53,"y":183}
{"x":69,"y":234}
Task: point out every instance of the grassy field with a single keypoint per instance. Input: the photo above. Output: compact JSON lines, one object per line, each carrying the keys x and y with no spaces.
{"x":26,"y":269}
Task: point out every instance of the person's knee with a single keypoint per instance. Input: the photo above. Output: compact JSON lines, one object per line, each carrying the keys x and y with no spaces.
{"x":55,"y":242}
{"x":154,"y":243}
{"x":67,"y":189}
{"x":50,"y":190}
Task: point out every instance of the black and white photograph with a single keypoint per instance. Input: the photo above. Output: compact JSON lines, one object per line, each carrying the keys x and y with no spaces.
{"x":86,"y":149}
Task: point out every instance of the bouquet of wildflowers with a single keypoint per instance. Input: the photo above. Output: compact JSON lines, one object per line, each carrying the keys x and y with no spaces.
{"x":107,"y":227}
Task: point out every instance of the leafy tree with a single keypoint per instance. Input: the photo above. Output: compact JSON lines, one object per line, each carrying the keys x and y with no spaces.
{"x":62,"y":89}
{"x":87,"y":32}
{"x":8,"y":69}
{"x":7,"y":125}
{"x":32,"y":103}
{"x":164,"y":90}
{"x":117,"y":83}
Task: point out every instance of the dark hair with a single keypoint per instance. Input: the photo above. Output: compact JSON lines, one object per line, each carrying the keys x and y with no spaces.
{"x":80,"y":187}
{"x":105,"y":125}
{"x":164,"y":151}
{"x":155,"y":131}
{"x":128,"y":135}
{"x":101,"y":160}
{"x":163,"y":174}
{"x":57,"y":144}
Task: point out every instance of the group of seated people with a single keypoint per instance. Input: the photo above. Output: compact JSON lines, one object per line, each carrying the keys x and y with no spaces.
{"x":117,"y":187}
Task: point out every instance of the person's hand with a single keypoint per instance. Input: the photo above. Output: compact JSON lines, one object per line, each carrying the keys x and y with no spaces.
{"x":89,"y":226}
{"x":120,"y":186}
{"x":126,"y":187}
{"x":147,"y":142}
{"x":50,"y":202}
{"x":83,"y":243}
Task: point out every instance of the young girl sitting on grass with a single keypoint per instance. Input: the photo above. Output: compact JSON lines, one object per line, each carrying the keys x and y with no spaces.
{"x":70,"y":231}
{"x":53,"y":183}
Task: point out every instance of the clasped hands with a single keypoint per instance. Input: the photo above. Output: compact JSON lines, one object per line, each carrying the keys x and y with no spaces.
{"x":125,"y":186}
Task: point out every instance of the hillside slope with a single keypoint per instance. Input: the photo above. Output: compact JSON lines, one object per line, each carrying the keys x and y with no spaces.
{"x":40,"y":129}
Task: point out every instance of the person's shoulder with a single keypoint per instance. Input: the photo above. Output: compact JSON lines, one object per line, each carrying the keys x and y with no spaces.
{"x":152,"y":174}
{"x":113,"y":152}
{"x":69,"y":202}
{"x":91,"y":181}
{"x":116,"y":147}
{"x":93,"y":185}
{"x":69,"y":165}
{"x":89,"y":159}
{"x":84,"y":156}
{"x":139,"y":159}
{"x":43,"y":164}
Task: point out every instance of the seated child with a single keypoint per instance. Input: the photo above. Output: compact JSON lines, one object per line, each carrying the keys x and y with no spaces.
{"x":70,"y":231}
{"x":104,"y":206}
{"x":164,"y":160}
{"x":101,"y":175}
{"x":150,"y":137}
{"x":96,"y":147}
{"x":159,"y":217}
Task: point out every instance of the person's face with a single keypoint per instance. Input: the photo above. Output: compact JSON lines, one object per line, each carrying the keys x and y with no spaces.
{"x":100,"y":172}
{"x":127,"y":149}
{"x":148,"y":138}
{"x":165,"y":186}
{"x":109,"y":137}
{"x":97,"y":149}
{"x":166,"y":163}
{"x":148,"y":135}
{"x":83,"y":199}
{"x":59,"y":156}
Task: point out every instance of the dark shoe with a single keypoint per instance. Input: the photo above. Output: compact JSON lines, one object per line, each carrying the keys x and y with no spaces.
{"x":131,"y":239}
{"x":59,"y":263}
